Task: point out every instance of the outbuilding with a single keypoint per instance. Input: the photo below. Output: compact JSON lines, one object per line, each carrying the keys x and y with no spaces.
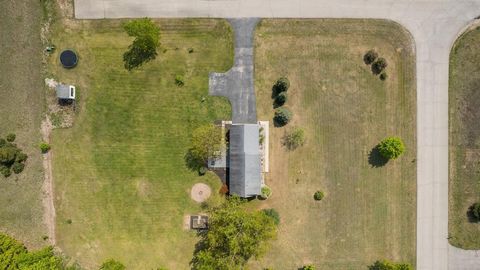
{"x":65,"y":92}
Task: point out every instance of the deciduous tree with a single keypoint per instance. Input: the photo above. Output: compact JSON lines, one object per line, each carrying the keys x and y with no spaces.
{"x":144,"y":46}
{"x":234,"y":236}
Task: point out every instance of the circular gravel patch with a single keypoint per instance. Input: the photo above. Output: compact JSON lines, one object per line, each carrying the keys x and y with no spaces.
{"x":200,"y":192}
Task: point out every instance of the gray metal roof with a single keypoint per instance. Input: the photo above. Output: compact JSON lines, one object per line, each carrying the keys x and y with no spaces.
{"x":63,"y":91}
{"x":245,"y":178}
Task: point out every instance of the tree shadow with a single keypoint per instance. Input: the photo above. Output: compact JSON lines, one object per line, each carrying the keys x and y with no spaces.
{"x":471,"y":216}
{"x":375,"y":159}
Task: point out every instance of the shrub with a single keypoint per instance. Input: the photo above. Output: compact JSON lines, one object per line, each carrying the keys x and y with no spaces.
{"x":11,"y":137}
{"x":308,"y":267}
{"x":21,"y":157}
{"x":3,"y":142}
{"x":282,"y":117}
{"x":391,"y":147}
{"x":370,"y":57}
{"x":5,"y":171}
{"x":190,"y":50}
{"x":383,"y":76}
{"x":112,"y":265}
{"x":18,"y":167}
{"x":379,"y":65}
{"x":281,"y":85}
{"x":318,"y":196}
{"x":266,"y":192}
{"x":179,"y":81}
{"x":44,"y":147}
{"x":280,"y":99}
{"x":387,"y":265}
{"x":294,"y":138}
{"x":202,"y":170}
{"x":7,"y":155}
{"x":272,"y":213}
{"x":475,"y":211}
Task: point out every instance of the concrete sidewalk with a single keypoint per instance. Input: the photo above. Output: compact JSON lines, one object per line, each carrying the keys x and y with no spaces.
{"x":434,"y":25}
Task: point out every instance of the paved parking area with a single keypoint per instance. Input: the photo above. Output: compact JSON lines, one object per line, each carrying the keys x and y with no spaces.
{"x":237,"y":84}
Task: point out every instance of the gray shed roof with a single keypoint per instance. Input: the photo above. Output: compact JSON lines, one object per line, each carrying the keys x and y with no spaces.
{"x":63,"y":91}
{"x":245,"y":178}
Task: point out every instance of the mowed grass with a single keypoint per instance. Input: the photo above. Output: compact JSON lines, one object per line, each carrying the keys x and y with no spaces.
{"x":368,"y":212}
{"x":121,"y":184}
{"x":21,"y":107}
{"x":464,"y":119}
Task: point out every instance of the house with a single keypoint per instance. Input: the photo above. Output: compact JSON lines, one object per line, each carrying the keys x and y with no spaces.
{"x":245,"y":179}
{"x":65,"y":92}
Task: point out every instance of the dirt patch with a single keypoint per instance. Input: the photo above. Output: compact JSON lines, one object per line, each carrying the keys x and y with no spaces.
{"x":200,"y":192}
{"x":61,"y":115}
{"x":47,"y":188}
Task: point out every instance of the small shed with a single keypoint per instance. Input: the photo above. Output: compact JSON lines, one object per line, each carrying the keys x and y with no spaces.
{"x":65,"y":91}
{"x":199,"y":222}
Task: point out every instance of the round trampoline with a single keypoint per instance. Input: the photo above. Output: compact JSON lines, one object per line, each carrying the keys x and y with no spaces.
{"x":68,"y":58}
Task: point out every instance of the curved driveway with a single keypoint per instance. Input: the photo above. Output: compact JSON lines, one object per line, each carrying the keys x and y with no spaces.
{"x":434,"y":25}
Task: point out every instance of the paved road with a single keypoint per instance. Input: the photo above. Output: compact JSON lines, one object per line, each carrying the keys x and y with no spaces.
{"x":434,"y":24}
{"x":237,"y":84}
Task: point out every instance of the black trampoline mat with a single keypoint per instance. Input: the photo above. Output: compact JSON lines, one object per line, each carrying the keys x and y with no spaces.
{"x":68,"y":58}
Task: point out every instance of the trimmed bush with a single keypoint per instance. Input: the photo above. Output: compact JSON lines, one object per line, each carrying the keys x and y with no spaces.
{"x":272,"y":213}
{"x":308,"y":267}
{"x":11,"y":137}
{"x":387,"y":265}
{"x":383,"y":76}
{"x":295,"y":138}
{"x":281,"y":85}
{"x":370,"y":57}
{"x":282,"y":117}
{"x":379,"y":65}
{"x":391,"y":147}
{"x":5,"y":171}
{"x":202,"y":170}
{"x":280,"y":99}
{"x":475,"y":211}
{"x":266,"y":192}
{"x":44,"y":147}
{"x":179,"y":81}
{"x":18,"y":167}
{"x":318,"y":196}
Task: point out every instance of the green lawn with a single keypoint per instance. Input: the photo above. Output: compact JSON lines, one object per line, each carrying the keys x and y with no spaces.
{"x":21,"y":107}
{"x":119,"y":172}
{"x":368,"y":212}
{"x":464,"y":119}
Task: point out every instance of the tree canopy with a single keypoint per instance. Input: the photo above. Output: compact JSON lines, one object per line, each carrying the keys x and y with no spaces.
{"x":233,"y":237}
{"x":14,"y":255}
{"x":145,"y":44}
{"x":206,"y":143}
{"x":391,"y":147}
